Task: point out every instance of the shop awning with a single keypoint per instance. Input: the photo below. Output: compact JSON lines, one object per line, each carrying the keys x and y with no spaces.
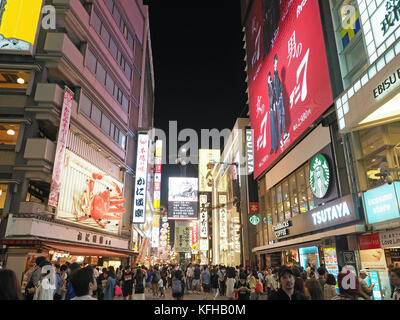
{"x":84,"y":251}
{"x":309,"y":240}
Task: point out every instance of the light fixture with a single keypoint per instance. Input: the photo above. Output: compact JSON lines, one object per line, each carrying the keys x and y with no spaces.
{"x":20,"y":81}
{"x":10,"y":132}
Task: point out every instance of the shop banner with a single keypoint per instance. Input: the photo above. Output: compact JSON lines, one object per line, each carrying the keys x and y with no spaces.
{"x":207,"y":160}
{"x":204,"y":245}
{"x":155,"y":233}
{"x":142,"y":251}
{"x":381,"y":204}
{"x":195,"y":237}
{"x":204,"y":205}
{"x":61,"y":148}
{"x":289,"y":83}
{"x":139,"y":209}
{"x":157,"y":175}
{"x":369,"y":241}
{"x":223,"y":225}
{"x":390,"y":239}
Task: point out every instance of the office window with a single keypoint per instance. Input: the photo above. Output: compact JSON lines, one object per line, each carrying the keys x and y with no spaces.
{"x":91,"y":61}
{"x":302,"y":190}
{"x":110,"y":83}
{"x":105,"y":123}
{"x":101,"y":73}
{"x":113,"y":48}
{"x":310,"y":196}
{"x":96,"y":115}
{"x":116,"y":15}
{"x":294,"y":195}
{"x":279,"y":200}
{"x":109,"y":4}
{"x":105,"y":35}
{"x":128,"y":71}
{"x":125,"y":103}
{"x":274,"y":211}
{"x":112,"y":129}
{"x":116,"y":135}
{"x":9,"y":134}
{"x":96,"y":22}
{"x":122,"y":140}
{"x":131,"y":42}
{"x":3,"y":194}
{"x":85,"y":105}
{"x":37,"y":192}
{"x":286,"y":199}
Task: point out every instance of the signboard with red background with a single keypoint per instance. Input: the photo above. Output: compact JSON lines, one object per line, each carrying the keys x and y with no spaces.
{"x":291,"y":31}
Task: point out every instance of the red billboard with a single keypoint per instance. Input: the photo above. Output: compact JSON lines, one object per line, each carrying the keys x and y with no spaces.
{"x":289,"y":84}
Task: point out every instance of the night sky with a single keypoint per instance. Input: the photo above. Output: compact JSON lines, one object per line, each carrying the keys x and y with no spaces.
{"x":199,"y":68}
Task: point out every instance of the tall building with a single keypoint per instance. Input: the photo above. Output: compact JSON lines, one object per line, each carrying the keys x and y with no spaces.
{"x":67,"y":167}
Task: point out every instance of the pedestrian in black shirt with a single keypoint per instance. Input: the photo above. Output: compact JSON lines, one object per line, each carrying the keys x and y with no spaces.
{"x":287,"y":290}
{"x":127,"y":283}
{"x":242,"y":288}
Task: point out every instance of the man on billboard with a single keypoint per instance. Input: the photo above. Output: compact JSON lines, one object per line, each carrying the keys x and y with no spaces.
{"x":11,"y":43}
{"x":272,"y":110}
{"x":271,"y":16}
{"x":280,"y":107}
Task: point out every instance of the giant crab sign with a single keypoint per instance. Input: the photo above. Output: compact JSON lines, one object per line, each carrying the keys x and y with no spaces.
{"x":102,"y":207}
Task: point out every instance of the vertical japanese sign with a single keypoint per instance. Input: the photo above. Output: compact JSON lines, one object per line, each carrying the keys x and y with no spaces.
{"x":207,"y":160}
{"x":195,"y":237}
{"x":223,"y":232}
{"x":183,"y":241}
{"x":155,"y":234}
{"x":157,"y":175}
{"x":61,"y":147}
{"x":139,"y":208}
{"x":203,"y":216}
{"x":290,"y":88}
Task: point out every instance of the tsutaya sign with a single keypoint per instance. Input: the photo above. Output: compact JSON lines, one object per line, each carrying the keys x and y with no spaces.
{"x":334,"y":214}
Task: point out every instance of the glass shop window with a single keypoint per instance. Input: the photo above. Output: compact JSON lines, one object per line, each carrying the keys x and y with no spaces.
{"x":279,"y":203}
{"x":302,"y":190}
{"x":3,"y":194}
{"x":294,"y":195}
{"x":286,"y":200}
{"x":310,"y":195}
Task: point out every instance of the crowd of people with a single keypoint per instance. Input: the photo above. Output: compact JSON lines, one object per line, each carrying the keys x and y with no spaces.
{"x":76,"y":282}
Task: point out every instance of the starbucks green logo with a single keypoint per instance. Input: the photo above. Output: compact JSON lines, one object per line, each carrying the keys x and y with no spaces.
{"x":254,"y":220}
{"x":319,"y":176}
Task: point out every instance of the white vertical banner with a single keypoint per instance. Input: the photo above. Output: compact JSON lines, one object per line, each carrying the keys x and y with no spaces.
{"x":203,"y":224}
{"x":207,"y":160}
{"x":61,"y":147}
{"x":222,"y":217}
{"x":155,"y":234}
{"x":139,"y":208}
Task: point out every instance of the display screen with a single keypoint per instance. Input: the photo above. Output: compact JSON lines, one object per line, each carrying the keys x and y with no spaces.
{"x":182,"y":198}
{"x":289,"y":84}
{"x":310,"y":256}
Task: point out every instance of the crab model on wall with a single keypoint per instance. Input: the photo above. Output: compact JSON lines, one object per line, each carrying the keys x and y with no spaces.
{"x":102,"y":207}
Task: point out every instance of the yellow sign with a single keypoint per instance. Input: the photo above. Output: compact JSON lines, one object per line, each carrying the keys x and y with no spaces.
{"x":19,"y":21}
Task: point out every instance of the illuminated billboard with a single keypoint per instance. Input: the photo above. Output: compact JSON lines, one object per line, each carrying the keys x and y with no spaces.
{"x":182,"y":198}
{"x":90,"y":197}
{"x":289,"y":84}
{"x":208,"y":158}
{"x":19,"y":20}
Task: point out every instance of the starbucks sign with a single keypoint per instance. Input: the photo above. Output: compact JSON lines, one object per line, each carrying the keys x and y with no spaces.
{"x":254,"y":220}
{"x":319,"y":176}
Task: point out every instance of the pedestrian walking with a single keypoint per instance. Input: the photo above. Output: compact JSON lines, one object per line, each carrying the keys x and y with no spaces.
{"x":321,"y":276}
{"x":69,"y":289}
{"x":366,"y":290}
{"x":9,"y":286}
{"x":189,"y":277}
{"x":127,"y":283}
{"x":286,"y":290}
{"x":222,"y":280}
{"x":395,"y":280}
{"x":253,"y":285}
{"x":161,"y":287}
{"x":139,"y":283}
{"x":109,"y":291}
{"x":196,"y":279}
{"x":299,"y":282}
{"x":313,"y":289}
{"x":47,"y":285}
{"x":155,"y":278}
{"x":206,"y":282}
{"x":273,"y":282}
{"x":242,"y":288}
{"x":215,"y":283}
{"x":230,"y":283}
{"x":330,"y":287}
{"x":84,"y":284}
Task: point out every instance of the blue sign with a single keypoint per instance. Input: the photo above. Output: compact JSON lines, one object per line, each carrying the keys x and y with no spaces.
{"x":376,"y":290}
{"x":381,"y":203}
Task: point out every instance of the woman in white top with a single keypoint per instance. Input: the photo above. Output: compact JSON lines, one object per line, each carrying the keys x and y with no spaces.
{"x":47,"y":285}
{"x":329,"y":287}
{"x":230,"y":283}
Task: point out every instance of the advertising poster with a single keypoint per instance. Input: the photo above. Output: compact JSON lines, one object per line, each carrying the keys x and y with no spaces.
{"x":331,"y":263}
{"x":157,"y":175}
{"x":195,"y":237}
{"x":90,"y":197}
{"x":19,"y":24}
{"x":182,"y":198}
{"x":155,"y":233}
{"x":373,"y":259}
{"x":207,"y":160}
{"x":183,"y":240}
{"x":289,"y":84}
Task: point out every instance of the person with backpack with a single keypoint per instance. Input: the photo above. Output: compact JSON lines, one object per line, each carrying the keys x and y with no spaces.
{"x":178,"y":286}
{"x":139,"y":282}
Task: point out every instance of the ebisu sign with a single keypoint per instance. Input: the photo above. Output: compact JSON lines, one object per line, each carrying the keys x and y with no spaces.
{"x":381,"y":203}
{"x":319,"y":176}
